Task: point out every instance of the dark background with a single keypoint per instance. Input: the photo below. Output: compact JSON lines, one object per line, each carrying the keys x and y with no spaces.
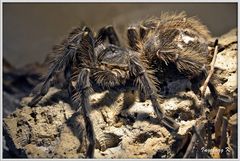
{"x":30,"y":29}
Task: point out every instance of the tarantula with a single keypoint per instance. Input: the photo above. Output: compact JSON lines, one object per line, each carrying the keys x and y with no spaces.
{"x":171,"y":40}
{"x":100,"y":67}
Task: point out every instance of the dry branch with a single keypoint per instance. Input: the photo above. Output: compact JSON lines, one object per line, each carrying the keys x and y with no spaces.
{"x":218,"y":122}
{"x":211,"y":69}
{"x":196,"y":132}
{"x":223,"y":143}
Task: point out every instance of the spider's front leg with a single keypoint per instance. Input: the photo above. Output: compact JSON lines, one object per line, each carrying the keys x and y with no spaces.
{"x":84,"y":89}
{"x":133,"y":41}
{"x":67,"y":75}
{"x":110,"y":33}
{"x":63,"y":60}
{"x":133,"y":38}
{"x":145,"y":83}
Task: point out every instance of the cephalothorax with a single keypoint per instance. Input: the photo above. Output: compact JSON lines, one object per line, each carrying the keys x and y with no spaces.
{"x":154,"y":45}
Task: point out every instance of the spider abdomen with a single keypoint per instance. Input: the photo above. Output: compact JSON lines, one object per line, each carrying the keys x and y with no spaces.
{"x":176,"y":40}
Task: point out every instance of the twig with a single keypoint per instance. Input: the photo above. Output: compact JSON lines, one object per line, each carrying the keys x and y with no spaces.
{"x":218,"y":122}
{"x":223,"y":144}
{"x":190,"y":146}
{"x":199,"y":153}
{"x":209,"y":135}
{"x":211,"y":69}
{"x":234,"y":140}
{"x":197,"y":132}
{"x":193,"y":140}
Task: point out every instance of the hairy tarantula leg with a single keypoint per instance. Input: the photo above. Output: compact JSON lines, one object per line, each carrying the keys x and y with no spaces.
{"x":52,"y":71}
{"x":133,"y":38}
{"x":144,"y":82}
{"x":110,"y":33}
{"x":142,"y":96}
{"x":66,"y":55}
{"x":185,"y":65}
{"x":143,"y":31}
{"x":43,"y":91}
{"x":67,"y":75}
{"x":84,"y":88}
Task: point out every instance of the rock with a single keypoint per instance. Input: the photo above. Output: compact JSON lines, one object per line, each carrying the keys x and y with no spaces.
{"x":226,"y":60}
{"x":229,"y":38}
{"x":52,"y":131}
{"x":34,"y":131}
{"x":231,"y":84}
{"x":226,"y":63}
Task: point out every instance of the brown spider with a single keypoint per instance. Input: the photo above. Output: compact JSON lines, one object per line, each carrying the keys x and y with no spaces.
{"x":100,"y":67}
{"x":172,"y":40}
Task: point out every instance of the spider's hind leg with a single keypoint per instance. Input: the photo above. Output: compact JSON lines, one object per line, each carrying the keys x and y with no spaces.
{"x":194,"y":68}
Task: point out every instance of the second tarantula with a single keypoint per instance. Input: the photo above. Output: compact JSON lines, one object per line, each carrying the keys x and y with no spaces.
{"x":172,"y":39}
